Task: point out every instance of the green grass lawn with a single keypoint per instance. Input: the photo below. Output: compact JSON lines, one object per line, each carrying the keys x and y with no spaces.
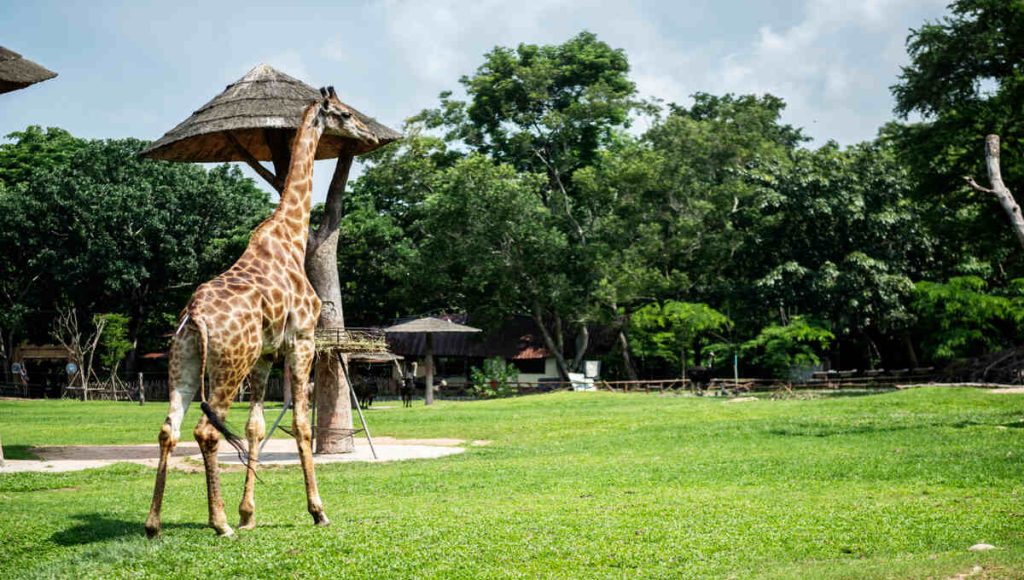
{"x":573,"y":485}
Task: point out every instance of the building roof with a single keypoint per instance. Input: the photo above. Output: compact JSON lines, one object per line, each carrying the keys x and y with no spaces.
{"x":264,"y":100}
{"x":17,"y":72}
{"x":515,"y":338}
{"x":429,"y":324}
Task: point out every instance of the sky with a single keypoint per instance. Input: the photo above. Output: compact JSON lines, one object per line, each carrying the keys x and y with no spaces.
{"x":137,"y":68}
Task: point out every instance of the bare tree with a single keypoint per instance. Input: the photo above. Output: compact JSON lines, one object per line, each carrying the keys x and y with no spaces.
{"x":80,"y":348}
{"x":999,"y":188}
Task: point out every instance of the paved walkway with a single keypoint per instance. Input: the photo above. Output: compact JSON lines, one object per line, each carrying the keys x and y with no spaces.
{"x":187,"y":455}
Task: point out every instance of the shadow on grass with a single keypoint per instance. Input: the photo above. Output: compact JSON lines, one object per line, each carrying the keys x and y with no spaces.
{"x":829,"y":430}
{"x":19,"y":452}
{"x":821,"y":430}
{"x":100,"y":528}
{"x":92,"y":528}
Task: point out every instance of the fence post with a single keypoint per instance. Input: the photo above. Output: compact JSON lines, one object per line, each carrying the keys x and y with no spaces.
{"x":142,"y":391}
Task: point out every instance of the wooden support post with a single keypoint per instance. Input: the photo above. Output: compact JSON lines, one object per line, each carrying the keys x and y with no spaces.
{"x":334,"y":420}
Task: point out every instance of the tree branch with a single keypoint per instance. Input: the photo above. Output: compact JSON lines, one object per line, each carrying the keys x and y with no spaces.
{"x":335,"y":199}
{"x":999,"y":188}
{"x":268,"y":175}
{"x":976,"y":186}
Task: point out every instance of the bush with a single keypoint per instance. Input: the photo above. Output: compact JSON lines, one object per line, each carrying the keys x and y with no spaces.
{"x":783,"y":349}
{"x":495,"y":378}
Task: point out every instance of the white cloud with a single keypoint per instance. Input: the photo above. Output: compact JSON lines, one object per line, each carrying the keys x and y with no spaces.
{"x":833,"y":67}
{"x":832,"y":64}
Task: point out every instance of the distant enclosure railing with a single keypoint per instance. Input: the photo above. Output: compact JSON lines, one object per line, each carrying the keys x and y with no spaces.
{"x":155,"y":386}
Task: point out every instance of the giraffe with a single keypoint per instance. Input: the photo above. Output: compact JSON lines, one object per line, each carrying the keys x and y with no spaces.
{"x":237,"y":324}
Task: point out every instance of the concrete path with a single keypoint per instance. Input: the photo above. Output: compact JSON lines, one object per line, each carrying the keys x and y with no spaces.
{"x":187,"y":456}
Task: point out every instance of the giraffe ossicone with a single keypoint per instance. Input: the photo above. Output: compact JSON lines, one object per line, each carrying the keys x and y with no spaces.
{"x":236,"y":325}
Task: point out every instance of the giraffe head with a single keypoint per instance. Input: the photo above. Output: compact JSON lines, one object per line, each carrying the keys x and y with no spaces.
{"x":338,"y":118}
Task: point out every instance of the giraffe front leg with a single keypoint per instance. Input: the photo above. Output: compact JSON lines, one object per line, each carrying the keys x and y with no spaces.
{"x":255,"y":431}
{"x":300,"y":359}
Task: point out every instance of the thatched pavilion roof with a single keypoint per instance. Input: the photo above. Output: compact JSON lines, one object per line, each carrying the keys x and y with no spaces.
{"x":17,"y":72}
{"x":430,"y":324}
{"x":264,"y":100}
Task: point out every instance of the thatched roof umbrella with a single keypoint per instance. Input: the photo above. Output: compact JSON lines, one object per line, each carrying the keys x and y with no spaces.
{"x":254,"y":120}
{"x":17,"y":72}
{"x":428,"y":326}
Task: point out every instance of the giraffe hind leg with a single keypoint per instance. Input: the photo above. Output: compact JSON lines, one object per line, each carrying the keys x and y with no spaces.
{"x":207,"y":434}
{"x":255,"y":431}
{"x":183,"y":380}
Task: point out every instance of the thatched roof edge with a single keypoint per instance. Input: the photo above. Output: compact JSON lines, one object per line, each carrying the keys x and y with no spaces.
{"x":264,"y":98}
{"x":18,"y":72}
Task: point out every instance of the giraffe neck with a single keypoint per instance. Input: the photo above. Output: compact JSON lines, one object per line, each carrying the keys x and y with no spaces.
{"x":296,"y":197}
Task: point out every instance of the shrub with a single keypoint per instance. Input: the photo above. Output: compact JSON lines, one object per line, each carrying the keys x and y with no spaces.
{"x":495,"y":378}
{"x":783,"y":349}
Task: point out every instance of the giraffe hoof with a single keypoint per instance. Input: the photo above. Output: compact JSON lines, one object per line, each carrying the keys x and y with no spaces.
{"x":152,"y":531}
{"x":321,"y":520}
{"x":247,"y":523}
{"x":227,"y":532}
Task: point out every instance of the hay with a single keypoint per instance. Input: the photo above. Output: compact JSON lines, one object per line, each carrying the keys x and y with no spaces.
{"x":351,"y":340}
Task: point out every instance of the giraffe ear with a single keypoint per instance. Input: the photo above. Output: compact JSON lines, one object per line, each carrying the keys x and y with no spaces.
{"x":330,"y":91}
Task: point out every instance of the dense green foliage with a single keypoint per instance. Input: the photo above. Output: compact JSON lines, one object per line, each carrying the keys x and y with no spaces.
{"x":533,"y":195}
{"x":573,"y":485}
{"x":790,"y":350}
{"x":94,"y":225}
{"x":672,"y":331}
{"x":964,"y":318}
{"x":965,"y":79}
{"x":716,"y":203}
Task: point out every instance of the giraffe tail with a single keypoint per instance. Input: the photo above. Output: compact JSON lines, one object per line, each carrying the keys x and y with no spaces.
{"x":230,"y":436}
{"x":204,"y":345}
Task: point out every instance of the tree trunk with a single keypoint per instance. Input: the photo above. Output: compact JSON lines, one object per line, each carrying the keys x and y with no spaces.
{"x":549,"y":343}
{"x":911,"y":353}
{"x":137,"y":317}
{"x":331,"y":390}
{"x":627,"y":360}
{"x":428,"y":363}
{"x":999,"y":189}
{"x":582,"y":343}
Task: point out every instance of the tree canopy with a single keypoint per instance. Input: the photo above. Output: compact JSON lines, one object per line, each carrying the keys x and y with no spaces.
{"x":536,"y":194}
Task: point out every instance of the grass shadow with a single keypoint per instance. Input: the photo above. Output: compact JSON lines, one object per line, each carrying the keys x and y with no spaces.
{"x":19,"y":452}
{"x":823,"y":430}
{"x":95,"y":527}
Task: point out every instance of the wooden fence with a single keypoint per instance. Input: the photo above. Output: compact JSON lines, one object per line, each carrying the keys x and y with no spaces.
{"x":155,"y":386}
